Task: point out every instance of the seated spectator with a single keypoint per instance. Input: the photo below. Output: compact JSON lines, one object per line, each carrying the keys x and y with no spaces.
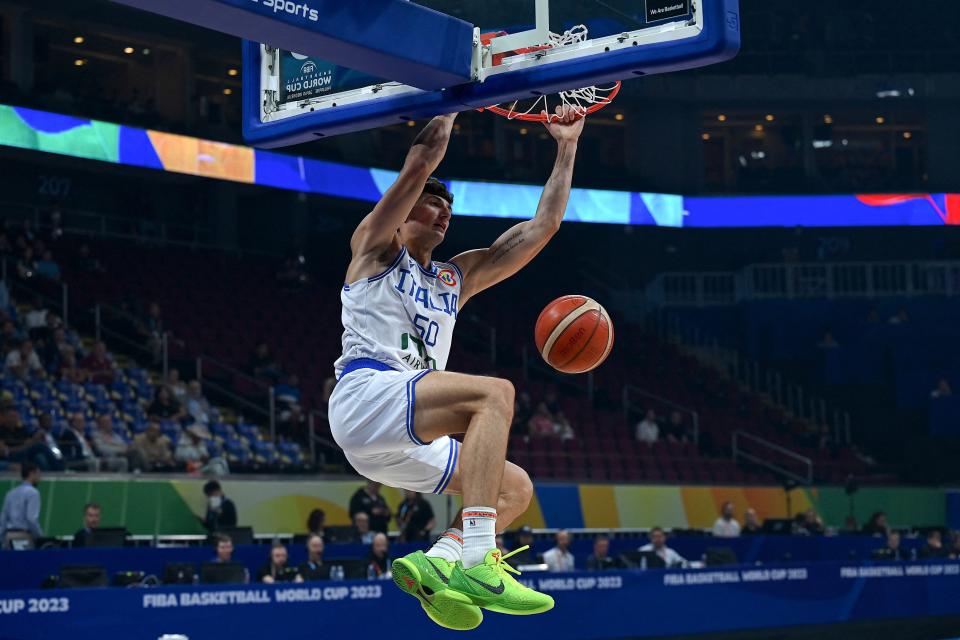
{"x":809,"y":523}
{"x":47,"y":267}
{"x":10,"y":337}
{"x":658,"y":545}
{"x":892,"y":550}
{"x":35,"y":321}
{"x":316,"y":522}
{"x":559,"y":559}
{"x":600,"y":559}
{"x":648,"y":430}
{"x":165,"y":406}
{"x":564,"y":430}
{"x":111,"y":447}
{"x":175,"y":384}
{"x":151,"y":450}
{"x":943,"y":390}
{"x":77,"y":451}
{"x":23,"y":362}
{"x":675,"y":430}
{"x":17,"y":446}
{"x":524,"y":538}
{"x":726,"y":525}
{"x":191,"y":449}
{"x":751,"y":524}
{"x":276,"y":569}
{"x":378,"y":567}
{"x":99,"y":365}
{"x":877,"y":525}
{"x":221,"y":512}
{"x":368,"y":499}
{"x":415,"y":518}
{"x":313,"y":569}
{"x":69,"y":369}
{"x":542,"y":424}
{"x":262,"y":364}
{"x":955,"y":546}
{"x":361,"y":522}
{"x":196,"y":404}
{"x":934,"y":547}
{"x":91,"y":520}
{"x":288,"y":391}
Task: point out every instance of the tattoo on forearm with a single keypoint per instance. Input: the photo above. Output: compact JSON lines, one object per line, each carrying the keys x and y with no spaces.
{"x":512,"y":242}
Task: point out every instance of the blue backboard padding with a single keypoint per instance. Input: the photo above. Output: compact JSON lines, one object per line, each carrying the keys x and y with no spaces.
{"x":719,"y":41}
{"x":393,"y":39}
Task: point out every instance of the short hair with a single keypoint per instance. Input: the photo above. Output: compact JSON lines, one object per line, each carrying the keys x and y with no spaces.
{"x":602,"y":536}
{"x":434,"y":187}
{"x":222,"y":537}
{"x":315,"y":518}
{"x":27,"y":469}
{"x":660,"y":529}
{"x":91,"y":505}
{"x":277,"y":544}
{"x":312,"y":536}
{"x":210,"y":487}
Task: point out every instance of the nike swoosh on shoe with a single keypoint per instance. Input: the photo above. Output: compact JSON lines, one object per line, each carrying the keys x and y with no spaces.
{"x":439,"y":573}
{"x":494,"y":590}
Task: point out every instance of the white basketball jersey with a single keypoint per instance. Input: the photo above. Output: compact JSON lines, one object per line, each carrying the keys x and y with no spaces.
{"x":403,"y":317}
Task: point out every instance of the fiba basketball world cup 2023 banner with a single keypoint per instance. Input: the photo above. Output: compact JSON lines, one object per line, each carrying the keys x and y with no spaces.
{"x":304,"y":77}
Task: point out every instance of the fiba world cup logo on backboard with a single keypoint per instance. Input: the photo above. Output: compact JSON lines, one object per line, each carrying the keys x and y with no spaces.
{"x":308,"y":67}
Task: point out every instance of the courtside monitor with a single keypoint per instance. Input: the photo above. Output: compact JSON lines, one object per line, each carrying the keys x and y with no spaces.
{"x":570,"y":52}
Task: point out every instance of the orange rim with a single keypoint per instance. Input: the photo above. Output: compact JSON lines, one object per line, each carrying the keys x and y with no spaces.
{"x":549,"y":117}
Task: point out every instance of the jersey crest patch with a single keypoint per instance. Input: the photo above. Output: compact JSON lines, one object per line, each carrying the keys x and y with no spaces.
{"x":447,"y":277}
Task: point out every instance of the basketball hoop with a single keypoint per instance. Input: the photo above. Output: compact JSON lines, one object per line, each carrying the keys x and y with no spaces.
{"x":539,"y":109}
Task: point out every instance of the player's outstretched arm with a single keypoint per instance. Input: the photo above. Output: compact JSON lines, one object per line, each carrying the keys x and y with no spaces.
{"x":377,"y":233}
{"x":483,"y":268}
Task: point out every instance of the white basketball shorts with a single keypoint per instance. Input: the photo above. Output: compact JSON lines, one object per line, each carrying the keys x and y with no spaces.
{"x":371,"y":417}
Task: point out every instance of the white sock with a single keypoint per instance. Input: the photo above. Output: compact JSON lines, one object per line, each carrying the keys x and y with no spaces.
{"x":448,"y":546}
{"x":479,"y":534}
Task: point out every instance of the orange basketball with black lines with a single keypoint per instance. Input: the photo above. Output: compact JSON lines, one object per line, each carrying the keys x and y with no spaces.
{"x":574,"y":334}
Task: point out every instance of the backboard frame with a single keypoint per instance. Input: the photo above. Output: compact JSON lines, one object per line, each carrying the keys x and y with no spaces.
{"x":708,"y":34}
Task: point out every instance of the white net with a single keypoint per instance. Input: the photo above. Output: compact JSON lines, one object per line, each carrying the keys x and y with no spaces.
{"x":580,"y":100}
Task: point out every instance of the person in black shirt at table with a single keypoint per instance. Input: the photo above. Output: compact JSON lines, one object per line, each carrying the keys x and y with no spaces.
{"x":601,"y":560}
{"x":892,"y":551}
{"x":312,"y":568}
{"x":368,"y":500}
{"x":751,"y":524}
{"x":276,"y":569}
{"x":934,"y":547}
{"x":221,"y":512}
{"x":524,"y":537}
{"x":91,"y":520}
{"x":415,"y":518}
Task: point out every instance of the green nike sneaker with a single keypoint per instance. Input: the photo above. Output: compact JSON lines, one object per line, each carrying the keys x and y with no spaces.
{"x":490,"y":585}
{"x":426,"y":579}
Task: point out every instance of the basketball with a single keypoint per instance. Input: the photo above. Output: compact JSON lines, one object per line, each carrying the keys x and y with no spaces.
{"x":574,"y":334}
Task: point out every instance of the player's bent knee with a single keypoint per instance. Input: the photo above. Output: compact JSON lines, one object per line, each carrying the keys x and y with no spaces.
{"x":499,"y":396}
{"x":517,"y":488}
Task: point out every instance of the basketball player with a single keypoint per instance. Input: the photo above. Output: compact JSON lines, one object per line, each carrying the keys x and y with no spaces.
{"x":394,"y":407}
